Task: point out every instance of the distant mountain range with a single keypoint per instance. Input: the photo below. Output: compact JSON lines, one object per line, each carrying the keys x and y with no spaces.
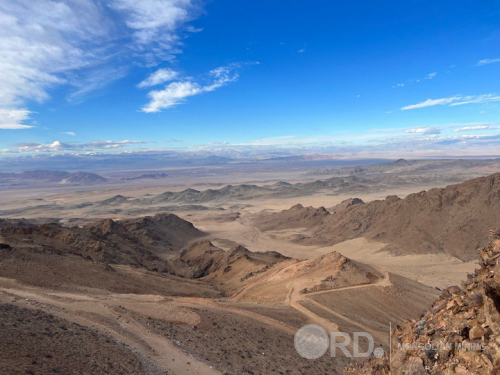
{"x":54,"y":176}
{"x":305,"y":157}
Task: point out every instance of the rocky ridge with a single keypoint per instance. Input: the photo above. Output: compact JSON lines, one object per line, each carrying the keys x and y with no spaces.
{"x":460,"y":334}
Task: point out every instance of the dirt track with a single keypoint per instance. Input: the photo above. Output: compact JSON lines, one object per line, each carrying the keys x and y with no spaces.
{"x":104,"y":314}
{"x":113,"y":315}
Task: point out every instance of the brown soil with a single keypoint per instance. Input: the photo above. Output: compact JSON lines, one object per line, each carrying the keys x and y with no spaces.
{"x":236,"y":344}
{"x":34,"y":342}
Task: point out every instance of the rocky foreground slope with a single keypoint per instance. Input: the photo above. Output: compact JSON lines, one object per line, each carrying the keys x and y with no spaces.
{"x":449,"y":220}
{"x":460,"y":334}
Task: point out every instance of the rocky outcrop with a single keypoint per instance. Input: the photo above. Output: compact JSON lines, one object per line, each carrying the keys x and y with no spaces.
{"x":460,"y":334}
{"x":203,"y":259}
{"x":345,"y":204}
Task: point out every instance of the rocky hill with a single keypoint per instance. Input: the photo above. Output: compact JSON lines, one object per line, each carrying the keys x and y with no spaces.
{"x":277,"y":190}
{"x":84,"y":178}
{"x":141,"y":242}
{"x":460,"y":334}
{"x":448,"y":220}
{"x":125,"y":256}
{"x":296,"y":217}
{"x":228,"y":269}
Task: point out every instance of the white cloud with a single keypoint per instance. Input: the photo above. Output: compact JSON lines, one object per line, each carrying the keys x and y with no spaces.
{"x":46,"y":43}
{"x":69,"y":133}
{"x":477,"y":99}
{"x":210,"y":145}
{"x":58,"y":146}
{"x":176,"y":92}
{"x":488,"y":61}
{"x":47,"y":147}
{"x":476,"y":127}
{"x":454,"y":101}
{"x":159,"y":77}
{"x":432,"y":102}
{"x":155,"y":24}
{"x":431,"y":75}
{"x":13,"y":118}
{"x":111,"y":144}
{"x":425,"y":130}
{"x":94,"y":80}
{"x":40,"y":41}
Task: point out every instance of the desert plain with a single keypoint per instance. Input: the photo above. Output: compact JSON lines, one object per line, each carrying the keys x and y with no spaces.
{"x":212,"y":270}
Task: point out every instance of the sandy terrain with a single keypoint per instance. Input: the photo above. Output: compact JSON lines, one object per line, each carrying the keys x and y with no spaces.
{"x":240,"y":314}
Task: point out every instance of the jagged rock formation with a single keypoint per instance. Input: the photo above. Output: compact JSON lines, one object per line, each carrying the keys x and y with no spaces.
{"x":460,"y":334}
{"x":447,"y":220}
{"x":345,"y":204}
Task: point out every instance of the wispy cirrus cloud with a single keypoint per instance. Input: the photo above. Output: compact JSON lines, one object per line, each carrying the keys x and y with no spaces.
{"x":454,"y":101}
{"x":431,"y":102}
{"x":176,"y":93}
{"x":41,"y":43}
{"x":487,"y":61}
{"x":477,"y":99}
{"x":155,"y":25}
{"x":46,"y":44}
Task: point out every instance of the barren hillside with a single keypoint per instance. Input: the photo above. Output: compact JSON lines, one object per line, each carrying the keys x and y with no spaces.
{"x":449,"y":220}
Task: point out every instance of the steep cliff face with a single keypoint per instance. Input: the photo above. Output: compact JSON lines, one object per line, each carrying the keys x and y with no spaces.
{"x":460,"y":334}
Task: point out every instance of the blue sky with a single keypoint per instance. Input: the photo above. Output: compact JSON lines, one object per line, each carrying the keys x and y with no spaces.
{"x":123,"y":75}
